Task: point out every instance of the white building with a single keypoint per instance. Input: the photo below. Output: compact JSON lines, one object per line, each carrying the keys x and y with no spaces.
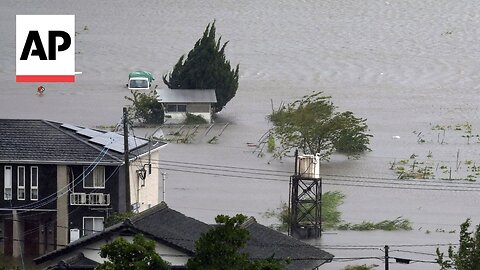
{"x":178,"y":102}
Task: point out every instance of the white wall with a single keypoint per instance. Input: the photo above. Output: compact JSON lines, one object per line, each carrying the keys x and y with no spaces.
{"x":92,"y":252}
{"x":147,"y":196}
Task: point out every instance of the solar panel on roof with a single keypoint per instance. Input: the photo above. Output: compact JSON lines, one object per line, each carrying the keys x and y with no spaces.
{"x":71,"y":127}
{"x":104,"y":141}
{"x":117,"y":146}
{"x":113,"y":135}
{"x":134,"y":142}
{"x":89,"y":132}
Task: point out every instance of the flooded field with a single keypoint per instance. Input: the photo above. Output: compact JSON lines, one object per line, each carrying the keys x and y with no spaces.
{"x":409,"y":67}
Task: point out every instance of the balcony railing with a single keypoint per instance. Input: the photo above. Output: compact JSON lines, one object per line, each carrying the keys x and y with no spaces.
{"x":98,"y":199}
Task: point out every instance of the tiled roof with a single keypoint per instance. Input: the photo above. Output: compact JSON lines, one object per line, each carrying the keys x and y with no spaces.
{"x":171,"y":226}
{"x":265,"y":243}
{"x":179,"y":231}
{"x":78,"y":261}
{"x":41,"y":141}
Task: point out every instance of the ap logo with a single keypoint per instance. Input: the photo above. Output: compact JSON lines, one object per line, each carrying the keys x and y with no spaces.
{"x":45,"y":48}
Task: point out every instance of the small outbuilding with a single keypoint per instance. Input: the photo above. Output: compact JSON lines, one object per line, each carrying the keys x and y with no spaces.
{"x":178,"y":102}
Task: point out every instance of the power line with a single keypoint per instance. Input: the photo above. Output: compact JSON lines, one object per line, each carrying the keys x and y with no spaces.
{"x":268,"y":172}
{"x":289,"y":173}
{"x":335,"y":182}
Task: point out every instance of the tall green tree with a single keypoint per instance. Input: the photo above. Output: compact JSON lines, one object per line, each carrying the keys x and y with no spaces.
{"x":206,"y":67}
{"x":139,"y":255}
{"x":313,"y":125}
{"x":467,"y":255}
{"x":219,"y":248}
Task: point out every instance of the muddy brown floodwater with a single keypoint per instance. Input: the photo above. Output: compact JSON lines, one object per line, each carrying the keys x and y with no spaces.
{"x":406,"y":66}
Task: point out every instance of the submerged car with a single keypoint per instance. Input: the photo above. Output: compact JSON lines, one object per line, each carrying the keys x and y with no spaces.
{"x":140,"y":80}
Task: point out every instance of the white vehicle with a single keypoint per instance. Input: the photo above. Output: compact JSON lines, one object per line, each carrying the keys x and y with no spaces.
{"x":138,"y":83}
{"x":140,"y":80}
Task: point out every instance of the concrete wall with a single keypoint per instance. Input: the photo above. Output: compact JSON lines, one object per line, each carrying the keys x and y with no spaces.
{"x":147,"y":195}
{"x":62,"y":206}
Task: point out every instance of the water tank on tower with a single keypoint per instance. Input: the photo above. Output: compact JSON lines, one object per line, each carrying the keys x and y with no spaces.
{"x":308,"y":166}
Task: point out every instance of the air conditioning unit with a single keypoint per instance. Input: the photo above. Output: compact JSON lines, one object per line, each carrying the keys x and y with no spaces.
{"x":308,"y":166}
{"x":74,"y":234}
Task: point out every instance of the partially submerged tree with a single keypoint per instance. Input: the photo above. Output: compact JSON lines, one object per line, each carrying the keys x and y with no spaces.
{"x":312,"y":125}
{"x":206,"y":67}
{"x":145,"y":108}
{"x":467,"y":255}
{"x":139,"y":255}
{"x":219,"y":248}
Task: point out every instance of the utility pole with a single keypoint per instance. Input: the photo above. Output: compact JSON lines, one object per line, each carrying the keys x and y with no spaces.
{"x":127,"y":163}
{"x":386,"y":258}
{"x":164,"y":176}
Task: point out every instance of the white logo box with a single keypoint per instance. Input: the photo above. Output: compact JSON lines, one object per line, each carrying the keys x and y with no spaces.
{"x":34,"y":69}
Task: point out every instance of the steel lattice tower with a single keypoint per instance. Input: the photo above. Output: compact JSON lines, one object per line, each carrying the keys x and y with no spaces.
{"x":305,"y":202}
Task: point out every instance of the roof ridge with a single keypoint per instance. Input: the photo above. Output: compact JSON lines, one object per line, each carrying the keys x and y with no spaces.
{"x":249,"y":221}
{"x":48,"y":122}
{"x":150,"y":211}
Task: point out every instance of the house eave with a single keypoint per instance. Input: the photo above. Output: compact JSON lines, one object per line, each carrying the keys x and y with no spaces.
{"x":146,"y":153}
{"x":57,"y":162}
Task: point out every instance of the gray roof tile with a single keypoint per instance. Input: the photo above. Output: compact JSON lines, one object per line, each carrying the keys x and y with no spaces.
{"x":177,"y":230}
{"x":41,"y":141}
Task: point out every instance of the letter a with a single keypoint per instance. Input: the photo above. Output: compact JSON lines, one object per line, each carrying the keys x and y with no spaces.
{"x":33,"y":37}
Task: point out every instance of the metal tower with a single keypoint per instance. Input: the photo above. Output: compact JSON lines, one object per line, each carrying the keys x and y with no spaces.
{"x":305,"y":198}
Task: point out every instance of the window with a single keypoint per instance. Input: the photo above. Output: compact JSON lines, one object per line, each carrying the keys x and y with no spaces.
{"x":95,"y":178}
{"x":34,"y":183}
{"x":21,"y":183}
{"x":92,"y":225}
{"x":7,"y":183}
{"x":139,"y":83}
{"x":176,"y":108}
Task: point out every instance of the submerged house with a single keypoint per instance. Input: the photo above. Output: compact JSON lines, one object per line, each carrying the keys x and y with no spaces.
{"x":58,"y":182}
{"x":175,"y":235}
{"x":178,"y":102}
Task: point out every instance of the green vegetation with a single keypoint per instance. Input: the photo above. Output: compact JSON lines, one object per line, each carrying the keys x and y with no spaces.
{"x":413,"y":169}
{"x":385,"y":225}
{"x":145,"y":108}
{"x":332,"y":217}
{"x":219,"y":248}
{"x":312,"y":125}
{"x":426,"y":168}
{"x":454,"y":132}
{"x":193,"y":119}
{"x":467,"y":255}
{"x":270,"y":143}
{"x":139,"y":255}
{"x":206,"y":67}
{"x":117,"y":218}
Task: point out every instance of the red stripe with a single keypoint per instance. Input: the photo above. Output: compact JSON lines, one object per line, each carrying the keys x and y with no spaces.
{"x":45,"y":78}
